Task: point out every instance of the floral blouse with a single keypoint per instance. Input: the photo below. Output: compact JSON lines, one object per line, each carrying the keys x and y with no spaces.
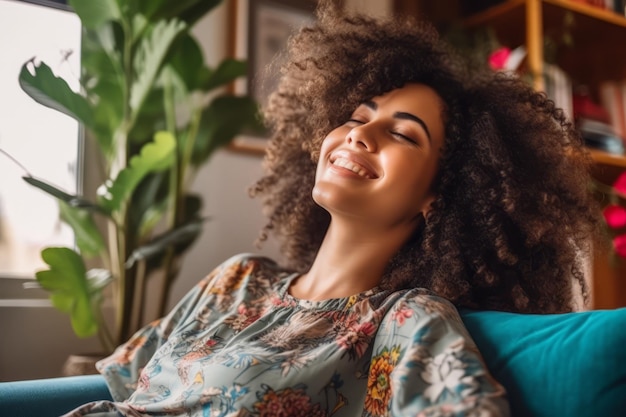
{"x":239,"y":344}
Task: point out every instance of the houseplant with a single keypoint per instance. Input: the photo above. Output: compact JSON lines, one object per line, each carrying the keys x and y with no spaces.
{"x":149,"y":103}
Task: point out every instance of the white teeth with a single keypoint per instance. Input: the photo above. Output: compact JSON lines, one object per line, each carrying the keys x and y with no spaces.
{"x":344,"y":163}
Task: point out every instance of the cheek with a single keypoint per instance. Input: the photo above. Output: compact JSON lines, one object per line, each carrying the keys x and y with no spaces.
{"x":329,"y":143}
{"x":322,"y":158}
{"x":413,"y":179}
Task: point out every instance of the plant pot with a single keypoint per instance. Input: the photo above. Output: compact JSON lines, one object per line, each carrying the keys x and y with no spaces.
{"x":82,"y":364}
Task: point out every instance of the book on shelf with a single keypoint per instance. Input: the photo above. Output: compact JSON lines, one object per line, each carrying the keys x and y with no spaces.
{"x":600,"y":135}
{"x":617,"y":6}
{"x":558,"y":87}
{"x":603,"y":4}
{"x":601,"y":123}
{"x":612,"y":96}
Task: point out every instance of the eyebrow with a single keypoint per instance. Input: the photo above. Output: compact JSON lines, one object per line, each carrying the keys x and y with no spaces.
{"x":402,"y":115}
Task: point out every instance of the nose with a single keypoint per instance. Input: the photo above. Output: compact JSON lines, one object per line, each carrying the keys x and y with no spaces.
{"x":362,"y":136}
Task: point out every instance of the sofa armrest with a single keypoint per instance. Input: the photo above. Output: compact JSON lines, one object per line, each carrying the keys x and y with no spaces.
{"x":50,"y":397}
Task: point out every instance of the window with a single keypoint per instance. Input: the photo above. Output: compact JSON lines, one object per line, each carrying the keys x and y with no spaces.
{"x":44,"y":141}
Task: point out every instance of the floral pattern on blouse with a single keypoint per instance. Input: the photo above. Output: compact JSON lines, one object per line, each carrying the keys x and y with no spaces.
{"x":239,"y":344}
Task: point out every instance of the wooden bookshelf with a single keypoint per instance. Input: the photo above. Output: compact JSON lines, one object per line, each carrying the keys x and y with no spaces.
{"x":597,"y":36}
{"x":608,"y":159}
{"x":607,"y":166}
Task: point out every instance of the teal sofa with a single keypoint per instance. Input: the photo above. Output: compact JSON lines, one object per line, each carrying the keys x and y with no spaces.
{"x":569,"y":365}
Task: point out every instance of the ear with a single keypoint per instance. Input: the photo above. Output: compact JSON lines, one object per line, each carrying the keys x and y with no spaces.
{"x":427,"y":203}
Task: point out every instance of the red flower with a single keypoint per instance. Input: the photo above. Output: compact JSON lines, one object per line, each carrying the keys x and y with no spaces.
{"x":619,"y":243}
{"x":498,"y":58}
{"x":615,"y":216}
{"x":620,"y":185}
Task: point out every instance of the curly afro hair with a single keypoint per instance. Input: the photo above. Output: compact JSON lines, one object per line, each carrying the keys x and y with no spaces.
{"x":513,"y":213}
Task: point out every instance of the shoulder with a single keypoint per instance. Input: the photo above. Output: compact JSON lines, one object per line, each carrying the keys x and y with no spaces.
{"x":422,"y":300}
{"x":246,"y":259}
{"x":242,"y":269}
{"x":418,"y":308}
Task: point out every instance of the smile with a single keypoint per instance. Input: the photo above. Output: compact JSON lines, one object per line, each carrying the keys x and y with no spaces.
{"x":352,"y":166}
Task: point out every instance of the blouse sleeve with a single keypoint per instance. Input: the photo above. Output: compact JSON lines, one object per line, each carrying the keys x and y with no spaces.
{"x":426,"y":364}
{"x":122,"y":369}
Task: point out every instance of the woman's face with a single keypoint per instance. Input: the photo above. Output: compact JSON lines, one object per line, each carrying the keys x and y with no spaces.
{"x":380,"y":164}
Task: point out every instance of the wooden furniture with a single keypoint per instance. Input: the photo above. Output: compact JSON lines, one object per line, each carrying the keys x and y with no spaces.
{"x":596,"y":55}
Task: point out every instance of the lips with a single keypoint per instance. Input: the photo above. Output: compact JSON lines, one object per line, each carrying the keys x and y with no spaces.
{"x":354,"y":163}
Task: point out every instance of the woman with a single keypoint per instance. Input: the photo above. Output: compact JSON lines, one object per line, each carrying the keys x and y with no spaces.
{"x":400,"y":189}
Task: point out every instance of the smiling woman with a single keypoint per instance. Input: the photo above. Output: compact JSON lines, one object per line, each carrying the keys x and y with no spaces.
{"x":401,"y":188}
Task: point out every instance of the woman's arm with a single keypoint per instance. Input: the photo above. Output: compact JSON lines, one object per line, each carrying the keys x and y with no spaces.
{"x":426,"y":364}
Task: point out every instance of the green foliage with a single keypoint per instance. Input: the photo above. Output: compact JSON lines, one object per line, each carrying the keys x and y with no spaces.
{"x":51,"y":91}
{"x":154,"y":156}
{"x":70,"y":290}
{"x":88,"y":237}
{"x":144,"y":102}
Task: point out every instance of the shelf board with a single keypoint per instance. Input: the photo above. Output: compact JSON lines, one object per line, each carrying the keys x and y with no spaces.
{"x":607,"y":167}
{"x":503,"y":9}
{"x":608,"y":159}
{"x":496,"y":12}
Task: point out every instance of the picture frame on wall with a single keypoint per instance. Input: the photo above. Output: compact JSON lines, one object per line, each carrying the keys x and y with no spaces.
{"x":270,"y":24}
{"x":262,"y":30}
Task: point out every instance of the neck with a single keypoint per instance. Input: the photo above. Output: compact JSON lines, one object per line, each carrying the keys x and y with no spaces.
{"x":350,"y":260}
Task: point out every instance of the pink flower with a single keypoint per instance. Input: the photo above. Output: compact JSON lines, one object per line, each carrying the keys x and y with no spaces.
{"x":620,"y":185}
{"x":357,"y":337}
{"x":498,"y":58}
{"x":401,"y":315}
{"x":619,"y":243}
{"x":615,"y":216}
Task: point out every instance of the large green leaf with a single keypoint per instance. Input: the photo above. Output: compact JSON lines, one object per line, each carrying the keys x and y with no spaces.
{"x":221,"y":121}
{"x":149,"y":8}
{"x":66,"y":280}
{"x":46,"y":88}
{"x":188,"y":11}
{"x":151,"y":54}
{"x":151,"y":119}
{"x":228,"y":70}
{"x":148,"y":204}
{"x":108,"y":113}
{"x":88,"y":237}
{"x":188,"y":62}
{"x":183,"y":235}
{"x":94,"y":13}
{"x":154,"y":156}
{"x":71,"y":200}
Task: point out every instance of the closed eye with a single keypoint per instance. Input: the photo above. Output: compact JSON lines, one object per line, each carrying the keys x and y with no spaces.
{"x":404,"y":137}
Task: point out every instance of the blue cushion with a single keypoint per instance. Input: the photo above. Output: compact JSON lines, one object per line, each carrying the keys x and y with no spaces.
{"x":570,"y":364}
{"x":50,"y":397}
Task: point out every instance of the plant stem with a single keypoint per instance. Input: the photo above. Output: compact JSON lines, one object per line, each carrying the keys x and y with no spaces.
{"x":136,"y":317}
{"x":117,"y":269}
{"x":174,"y":193}
{"x":103,"y":332}
{"x":125,"y":290}
{"x":192,"y":133}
